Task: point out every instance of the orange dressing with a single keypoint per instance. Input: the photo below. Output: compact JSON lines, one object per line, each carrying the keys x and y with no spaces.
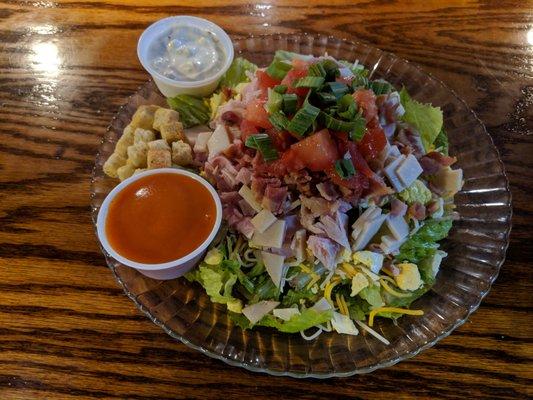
{"x":160,"y":218}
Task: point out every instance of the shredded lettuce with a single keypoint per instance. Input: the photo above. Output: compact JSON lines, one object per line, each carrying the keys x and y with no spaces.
{"x":193,"y":110}
{"x":288,"y":56}
{"x":426,"y":118}
{"x":441,"y":142}
{"x":294,"y":296}
{"x":237,"y":73}
{"x":299,"y":322}
{"x":417,"y":192}
{"x":424,"y":242}
{"x":372,"y":295}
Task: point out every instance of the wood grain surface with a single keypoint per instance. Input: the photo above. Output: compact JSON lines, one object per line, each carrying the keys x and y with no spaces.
{"x":67,"y":331}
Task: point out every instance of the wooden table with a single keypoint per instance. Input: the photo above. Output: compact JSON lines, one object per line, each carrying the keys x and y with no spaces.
{"x":66,"y":329}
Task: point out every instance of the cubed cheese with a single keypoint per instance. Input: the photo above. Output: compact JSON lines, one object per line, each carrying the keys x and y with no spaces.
{"x":218,"y":142}
{"x":274,"y":266}
{"x":247,"y":194}
{"x":390,"y":172}
{"x":256,"y":311}
{"x":263,"y":220}
{"x":409,"y":170}
{"x":397,"y":225}
{"x":272,"y":237}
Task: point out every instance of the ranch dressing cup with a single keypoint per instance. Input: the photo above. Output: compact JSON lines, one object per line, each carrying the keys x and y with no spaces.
{"x":200,"y":53}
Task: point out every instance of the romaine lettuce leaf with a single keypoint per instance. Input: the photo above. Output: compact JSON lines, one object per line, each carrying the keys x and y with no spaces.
{"x":426,"y":118}
{"x":193,"y":110}
{"x":441,"y":142}
{"x":236,"y":73}
{"x":424,"y":242}
{"x":372,"y":295}
{"x":299,"y":322}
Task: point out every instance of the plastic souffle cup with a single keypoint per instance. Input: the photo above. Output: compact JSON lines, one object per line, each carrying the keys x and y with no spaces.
{"x":170,"y":87}
{"x":171,"y":269}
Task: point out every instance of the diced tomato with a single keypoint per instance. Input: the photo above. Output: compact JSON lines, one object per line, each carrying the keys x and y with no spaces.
{"x":265,"y":81}
{"x":281,"y":140}
{"x":293,"y":75}
{"x":257,"y":115}
{"x":247,"y":129}
{"x":300,"y":64}
{"x":358,"y":182}
{"x":372,"y":142}
{"x":317,"y":152}
{"x":366,"y":99}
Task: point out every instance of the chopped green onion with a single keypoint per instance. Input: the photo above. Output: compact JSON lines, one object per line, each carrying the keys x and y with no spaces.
{"x":359,"y":129}
{"x":290,"y":103}
{"x":380,"y":87}
{"x":313,"y":82}
{"x":262,"y":143}
{"x":325,"y":99}
{"x":336,"y":124}
{"x":275,"y":101}
{"x":359,"y":82}
{"x":338,"y":89}
{"x":331,"y":68}
{"x":347,"y":107}
{"x":303,"y":119}
{"x":279,"y":120}
{"x":278,"y":69}
{"x":345,"y":168}
{"x":317,"y":70}
{"x":280,"y":89}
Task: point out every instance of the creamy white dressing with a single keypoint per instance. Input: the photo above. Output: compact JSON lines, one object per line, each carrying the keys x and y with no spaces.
{"x":187,"y":53}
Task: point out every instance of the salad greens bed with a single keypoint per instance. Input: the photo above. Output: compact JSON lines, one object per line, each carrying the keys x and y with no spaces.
{"x":376,"y":201}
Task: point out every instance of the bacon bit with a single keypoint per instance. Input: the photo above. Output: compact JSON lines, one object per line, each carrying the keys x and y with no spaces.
{"x":417,"y":211}
{"x":232,"y":117}
{"x":227,"y":92}
{"x":432,"y":207}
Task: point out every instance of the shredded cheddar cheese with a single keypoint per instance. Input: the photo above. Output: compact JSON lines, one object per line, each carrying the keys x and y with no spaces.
{"x":393,"y":310}
{"x":391,"y":290}
{"x":328,"y":289}
{"x":349,"y":269}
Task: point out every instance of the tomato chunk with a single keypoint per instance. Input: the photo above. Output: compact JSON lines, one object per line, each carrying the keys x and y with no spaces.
{"x":289,"y":80}
{"x":317,"y":152}
{"x":358,"y":182}
{"x":372,"y":142}
{"x":247,"y":129}
{"x":257,"y":115}
{"x":265,"y":81}
{"x":366,"y":99}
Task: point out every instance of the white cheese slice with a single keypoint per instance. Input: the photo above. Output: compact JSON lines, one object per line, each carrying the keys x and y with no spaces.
{"x":256,"y":311}
{"x":274,"y":266}
{"x":286,"y":313}
{"x":298,"y":245}
{"x":247,"y":194}
{"x":272,"y":237}
{"x":359,"y":282}
{"x":397,"y":225}
{"x":409,"y":170}
{"x":218,"y":142}
{"x":343,"y":324}
{"x":263,"y":220}
{"x":321,"y":305}
{"x":390,"y":172}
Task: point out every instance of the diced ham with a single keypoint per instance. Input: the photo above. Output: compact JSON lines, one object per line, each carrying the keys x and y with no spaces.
{"x":244,"y":176}
{"x":317,"y":205}
{"x":325,"y":250}
{"x":434,"y":161}
{"x":246,"y":209}
{"x":222,"y":171}
{"x":229,"y":197}
{"x":412,"y":141}
{"x":274,"y":198}
{"x":398,"y":208}
{"x":335,"y":228}
{"x":246,"y":227}
{"x":231,"y":117}
{"x":308,"y":221}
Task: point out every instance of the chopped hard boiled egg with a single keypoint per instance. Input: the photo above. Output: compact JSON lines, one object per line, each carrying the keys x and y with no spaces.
{"x":370,"y":259}
{"x":409,"y":277}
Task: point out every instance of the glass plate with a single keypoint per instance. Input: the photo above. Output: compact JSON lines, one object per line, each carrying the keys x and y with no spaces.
{"x":476,"y":245}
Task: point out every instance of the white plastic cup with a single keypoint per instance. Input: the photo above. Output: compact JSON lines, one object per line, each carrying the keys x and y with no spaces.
{"x":168,"y":270}
{"x":170,"y":87}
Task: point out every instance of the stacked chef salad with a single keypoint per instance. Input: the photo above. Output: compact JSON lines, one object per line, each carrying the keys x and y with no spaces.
{"x":336,"y":189}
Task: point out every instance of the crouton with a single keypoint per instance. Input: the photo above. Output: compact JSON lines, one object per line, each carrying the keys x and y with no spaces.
{"x":137,"y":154}
{"x":114,"y":162}
{"x":181,"y":153}
{"x":158,"y":158}
{"x":124,"y":141}
{"x":160,"y":144}
{"x":143,"y":135}
{"x":144,"y":117}
{"x":125,"y":171}
{"x":164,"y":116}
